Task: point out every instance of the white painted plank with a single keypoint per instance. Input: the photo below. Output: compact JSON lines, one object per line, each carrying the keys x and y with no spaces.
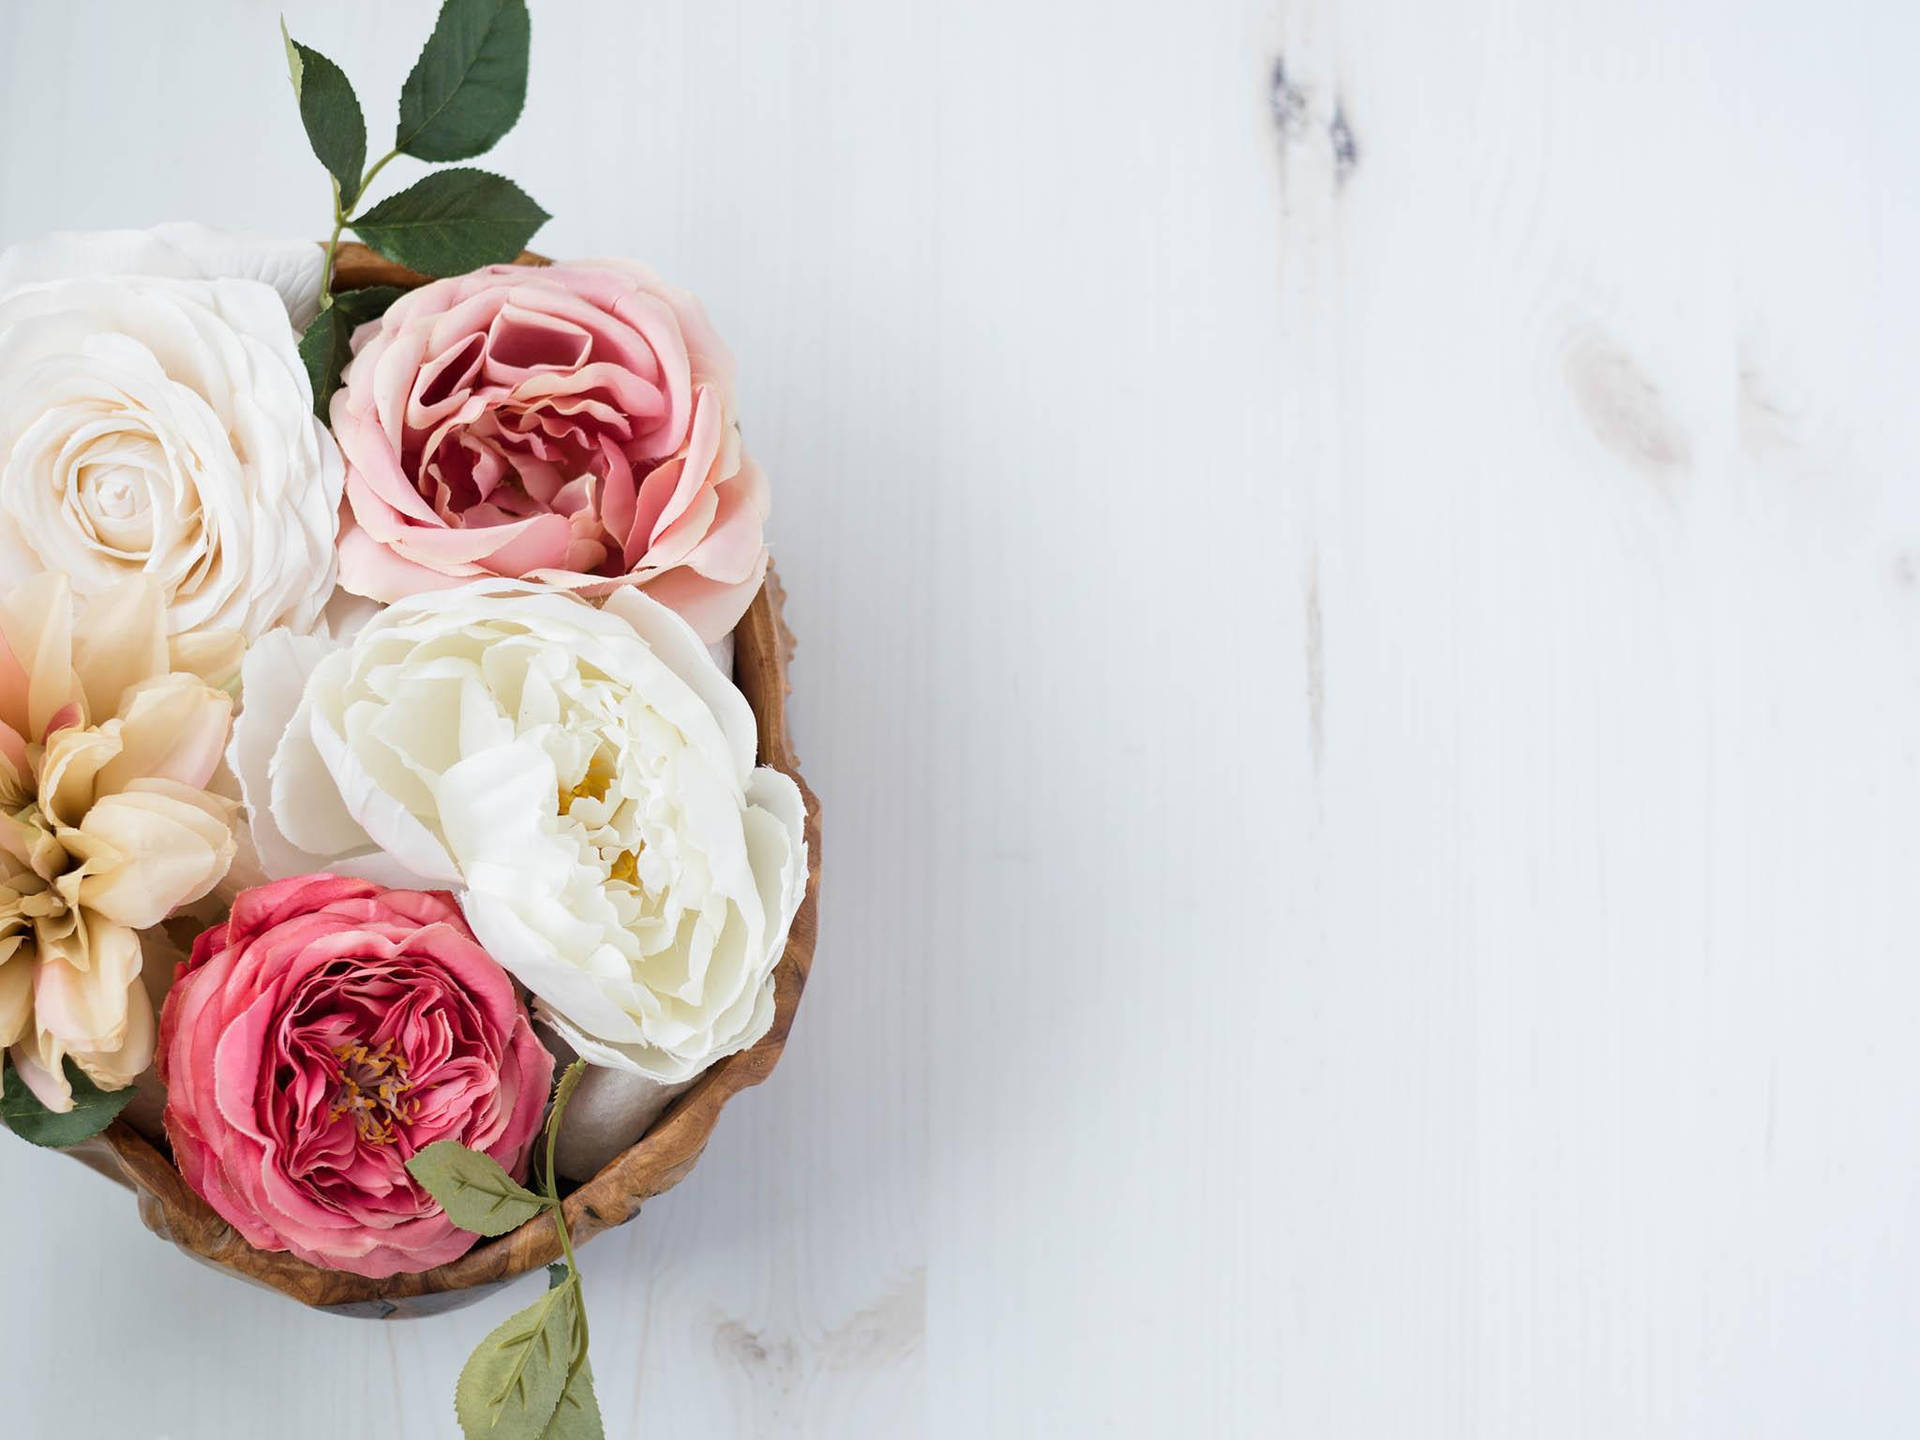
{"x":1365,"y":710}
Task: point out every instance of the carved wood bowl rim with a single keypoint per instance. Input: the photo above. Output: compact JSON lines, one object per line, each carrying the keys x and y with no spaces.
{"x":656,"y":1162}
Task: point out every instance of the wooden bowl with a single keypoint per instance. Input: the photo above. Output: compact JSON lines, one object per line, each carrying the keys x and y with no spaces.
{"x":662,"y":1157}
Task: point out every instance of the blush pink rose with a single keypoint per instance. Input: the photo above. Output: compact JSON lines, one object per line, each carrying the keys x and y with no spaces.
{"x":318,"y":1039}
{"x":569,"y":425}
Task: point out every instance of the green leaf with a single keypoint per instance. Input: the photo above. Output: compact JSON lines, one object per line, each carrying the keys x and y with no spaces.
{"x":577,"y":1416}
{"x":557,"y":1274}
{"x":473,"y":1189}
{"x":451,"y":222}
{"x":470,"y":82}
{"x":327,"y":344}
{"x":93,"y":1110}
{"x":511,"y":1386}
{"x":369,"y":302}
{"x":293,"y":57}
{"x":324,"y":349}
{"x":331,"y":112}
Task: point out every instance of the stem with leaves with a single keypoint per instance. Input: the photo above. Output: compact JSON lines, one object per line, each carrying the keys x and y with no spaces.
{"x":530,"y":1376}
{"x":465,"y":91}
{"x":341,"y":220}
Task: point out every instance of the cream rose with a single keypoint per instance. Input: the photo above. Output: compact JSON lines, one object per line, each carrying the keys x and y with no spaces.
{"x":182,"y":250}
{"x":583,"y":778}
{"x":160,"y":425}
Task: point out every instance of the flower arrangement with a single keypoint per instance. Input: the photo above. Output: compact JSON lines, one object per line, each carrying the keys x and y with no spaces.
{"x":391,"y":686}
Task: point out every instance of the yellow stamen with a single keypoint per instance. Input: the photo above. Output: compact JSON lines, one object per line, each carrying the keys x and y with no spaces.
{"x":592,"y":786}
{"x":373,"y":1084}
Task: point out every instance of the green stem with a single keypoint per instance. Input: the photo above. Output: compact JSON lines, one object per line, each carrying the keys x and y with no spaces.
{"x":333,"y":244}
{"x":340,"y":222}
{"x":560,"y":1099}
{"x":367,"y":179}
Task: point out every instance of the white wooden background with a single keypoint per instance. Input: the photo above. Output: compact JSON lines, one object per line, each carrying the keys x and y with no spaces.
{"x":1358,"y":567}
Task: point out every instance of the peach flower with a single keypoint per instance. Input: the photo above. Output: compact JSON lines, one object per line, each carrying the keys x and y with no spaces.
{"x":571,"y":426}
{"x":109,"y":734}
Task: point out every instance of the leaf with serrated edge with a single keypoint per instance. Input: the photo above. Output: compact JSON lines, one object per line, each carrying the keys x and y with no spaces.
{"x":511,"y":1385}
{"x":293,"y":57}
{"x":473,"y":1189}
{"x":330,"y":111}
{"x":369,"y":302}
{"x":577,"y":1416}
{"x":468,"y":86}
{"x":93,"y":1110}
{"x":327,"y":344}
{"x":324,"y":350}
{"x":452,"y":221}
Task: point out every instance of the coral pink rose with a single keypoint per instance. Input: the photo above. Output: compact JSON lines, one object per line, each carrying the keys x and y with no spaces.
{"x":318,"y":1039}
{"x":570,"y":426}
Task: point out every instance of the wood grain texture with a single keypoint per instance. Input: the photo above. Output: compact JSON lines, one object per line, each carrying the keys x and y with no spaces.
{"x":1357,"y":569}
{"x":355,"y":267}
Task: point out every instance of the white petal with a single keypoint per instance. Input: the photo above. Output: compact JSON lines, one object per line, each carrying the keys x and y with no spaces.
{"x":182,"y":250}
{"x":291,"y":267}
{"x":566,"y":990}
{"x":272,"y":677}
{"x":682,"y":651}
{"x":389,"y":824}
{"x":776,"y":813}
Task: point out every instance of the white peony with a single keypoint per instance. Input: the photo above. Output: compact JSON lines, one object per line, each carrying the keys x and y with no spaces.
{"x":155,"y":418}
{"x":583,"y":778}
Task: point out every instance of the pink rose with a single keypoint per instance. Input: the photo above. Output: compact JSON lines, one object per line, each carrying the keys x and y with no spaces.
{"x":318,"y":1039}
{"x":571,"y":426}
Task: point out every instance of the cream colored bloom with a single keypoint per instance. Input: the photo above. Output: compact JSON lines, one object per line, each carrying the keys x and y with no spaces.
{"x":584,"y":778}
{"x":179,"y":250}
{"x":160,"y":425}
{"x":108,"y":736}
